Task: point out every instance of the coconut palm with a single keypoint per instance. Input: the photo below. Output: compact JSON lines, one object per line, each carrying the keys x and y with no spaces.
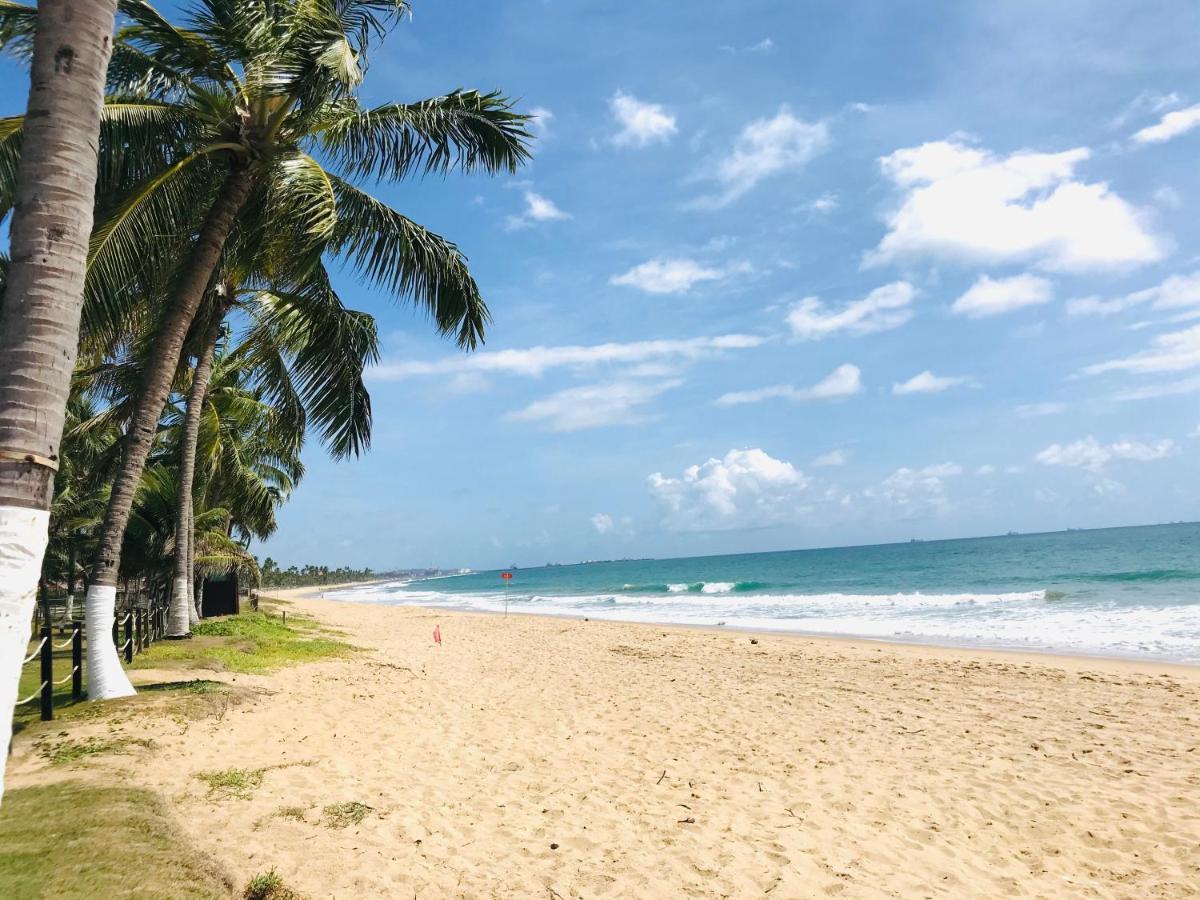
{"x":53,"y":192}
{"x":306,"y":352}
{"x":228,"y":117}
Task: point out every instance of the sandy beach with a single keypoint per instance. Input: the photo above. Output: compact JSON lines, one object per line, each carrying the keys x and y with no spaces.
{"x":538,"y":757}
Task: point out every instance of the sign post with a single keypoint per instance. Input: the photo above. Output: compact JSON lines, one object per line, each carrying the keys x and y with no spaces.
{"x":507,"y":576}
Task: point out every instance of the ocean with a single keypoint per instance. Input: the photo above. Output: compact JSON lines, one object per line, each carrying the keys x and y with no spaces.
{"x":1124,"y":592}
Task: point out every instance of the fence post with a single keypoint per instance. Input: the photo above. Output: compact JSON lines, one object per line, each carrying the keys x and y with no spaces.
{"x":77,"y":660}
{"x":129,"y":636}
{"x":116,"y":632}
{"x":137,"y":630}
{"x":47,"y":672}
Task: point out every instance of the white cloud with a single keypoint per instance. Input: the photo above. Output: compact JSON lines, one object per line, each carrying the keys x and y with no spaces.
{"x":540,"y":123}
{"x":832,"y":458}
{"x":991,"y":297}
{"x":928,"y":383}
{"x":964,"y":203}
{"x":986,"y":469}
{"x":1093,"y":456}
{"x":824,"y":204}
{"x":673,"y":276}
{"x":885,"y":308}
{"x":1177,"y":292}
{"x":537,"y":209}
{"x":1170,"y":126}
{"x":745,"y":489}
{"x":534,"y":361}
{"x":1046,"y":408}
{"x":765,"y":147}
{"x":1147,"y":102}
{"x":1175,"y":351}
{"x":844,"y":381}
{"x":1163,"y":389}
{"x":603,"y":523}
{"x":641,"y":123}
{"x":766,"y":45}
{"x":916,"y":491}
{"x":594,"y":405}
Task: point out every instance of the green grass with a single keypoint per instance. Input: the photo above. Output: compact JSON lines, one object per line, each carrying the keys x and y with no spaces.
{"x":66,"y":751}
{"x":73,"y":841}
{"x":268,"y":886}
{"x":295,"y":813}
{"x":237,"y":784}
{"x":343,"y":815}
{"x":251,"y":642}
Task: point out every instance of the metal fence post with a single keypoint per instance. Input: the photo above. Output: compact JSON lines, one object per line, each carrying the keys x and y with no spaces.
{"x":129,"y":636}
{"x":47,"y":672}
{"x":77,"y":660}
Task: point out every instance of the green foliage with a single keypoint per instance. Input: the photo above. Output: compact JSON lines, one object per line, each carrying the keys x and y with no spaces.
{"x":303,"y":576}
{"x":268,"y":886}
{"x":67,"y":750}
{"x":237,"y":784}
{"x":75,"y":841}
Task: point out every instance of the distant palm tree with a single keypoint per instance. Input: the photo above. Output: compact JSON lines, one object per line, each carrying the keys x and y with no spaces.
{"x":220,"y":126}
{"x":51,"y":194}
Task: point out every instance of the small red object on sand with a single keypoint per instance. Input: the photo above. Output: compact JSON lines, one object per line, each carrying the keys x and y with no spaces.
{"x":437,"y":635}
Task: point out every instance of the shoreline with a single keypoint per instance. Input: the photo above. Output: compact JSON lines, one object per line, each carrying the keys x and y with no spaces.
{"x":1066,"y":659}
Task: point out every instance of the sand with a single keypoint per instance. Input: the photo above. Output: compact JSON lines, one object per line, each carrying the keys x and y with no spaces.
{"x":539,"y":757}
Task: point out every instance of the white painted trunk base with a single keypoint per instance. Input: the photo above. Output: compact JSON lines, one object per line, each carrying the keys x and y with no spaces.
{"x":69,"y":609}
{"x":179,"y":622}
{"x":23,"y":537}
{"x":106,"y":676}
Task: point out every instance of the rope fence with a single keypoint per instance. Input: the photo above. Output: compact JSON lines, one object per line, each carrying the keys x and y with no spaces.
{"x":140,"y":627}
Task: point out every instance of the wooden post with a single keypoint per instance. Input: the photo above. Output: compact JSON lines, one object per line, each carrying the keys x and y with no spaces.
{"x":129,"y":636}
{"x":77,"y":660}
{"x":47,"y":672}
{"x":137,"y":629}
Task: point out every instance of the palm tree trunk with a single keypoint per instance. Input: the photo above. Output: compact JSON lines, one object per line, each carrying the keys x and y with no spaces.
{"x":39,"y":312}
{"x":106,"y":678}
{"x":72,"y":555}
{"x":193,"y":607}
{"x":179,"y":620}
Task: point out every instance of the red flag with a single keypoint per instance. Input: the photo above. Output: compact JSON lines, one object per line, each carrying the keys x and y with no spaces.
{"x":507,"y":576}
{"x":437,"y":635}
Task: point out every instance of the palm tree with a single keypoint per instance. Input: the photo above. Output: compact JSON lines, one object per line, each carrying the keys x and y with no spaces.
{"x":307,"y":353}
{"x":219,"y":124}
{"x":39,"y":313}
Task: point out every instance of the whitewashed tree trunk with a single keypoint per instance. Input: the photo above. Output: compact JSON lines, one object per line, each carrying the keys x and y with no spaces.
{"x":106,"y":675}
{"x":40,"y":308}
{"x":193,"y":605}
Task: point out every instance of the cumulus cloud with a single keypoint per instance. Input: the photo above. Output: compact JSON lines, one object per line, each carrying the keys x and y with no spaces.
{"x":916,"y":491}
{"x":1177,"y":292}
{"x":991,"y":297}
{"x":765,"y":147}
{"x":537,"y":209}
{"x":603,"y":523}
{"x":1175,"y":351}
{"x":540,"y":121}
{"x":844,"y":381}
{"x":928,"y":383}
{"x":883,"y":309}
{"x":535,"y":361}
{"x":745,"y":489}
{"x":1172,"y":125}
{"x":594,"y":405}
{"x":1093,"y":456}
{"x":832,"y":458}
{"x":673,"y":276}
{"x":964,"y":203}
{"x":641,"y":124}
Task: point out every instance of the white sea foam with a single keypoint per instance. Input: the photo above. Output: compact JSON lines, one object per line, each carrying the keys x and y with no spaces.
{"x":1019,"y":620}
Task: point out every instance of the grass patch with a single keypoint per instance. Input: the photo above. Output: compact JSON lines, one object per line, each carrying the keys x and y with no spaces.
{"x":81,"y":842}
{"x":343,"y":815}
{"x":295,"y":813}
{"x":237,"y":784}
{"x":251,"y":642}
{"x":67,"y":751}
{"x":268,"y":886}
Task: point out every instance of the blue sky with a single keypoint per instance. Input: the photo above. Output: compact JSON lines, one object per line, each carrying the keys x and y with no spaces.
{"x":787,"y":275}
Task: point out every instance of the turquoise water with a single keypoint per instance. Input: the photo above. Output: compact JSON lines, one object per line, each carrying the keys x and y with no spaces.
{"x":1131,"y":592}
